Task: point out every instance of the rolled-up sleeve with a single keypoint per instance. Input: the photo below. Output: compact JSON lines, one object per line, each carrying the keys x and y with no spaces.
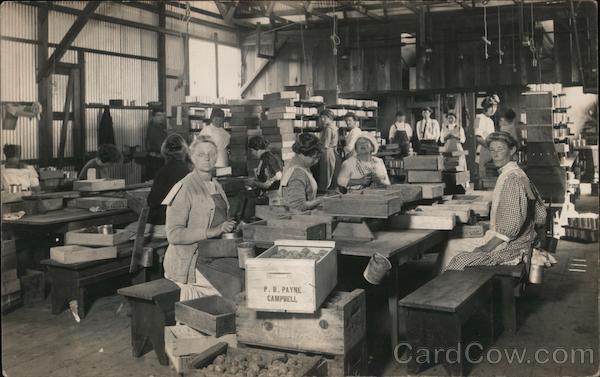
{"x":296,"y":195}
{"x":178,"y":214}
{"x":345,"y":173}
{"x":512,"y":209}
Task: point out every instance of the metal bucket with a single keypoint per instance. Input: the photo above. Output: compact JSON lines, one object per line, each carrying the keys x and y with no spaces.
{"x":536,"y":274}
{"x":377,"y":269}
{"x":105,"y":229}
{"x":245,"y":251}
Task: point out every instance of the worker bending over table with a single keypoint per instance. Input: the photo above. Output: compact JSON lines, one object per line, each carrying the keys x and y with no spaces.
{"x":269,"y":170}
{"x":178,"y":164}
{"x":298,"y":189}
{"x":197,"y":211}
{"x":363,"y":169}
{"x":17,"y":173}
{"x":517,"y":209}
{"x":106,"y":156}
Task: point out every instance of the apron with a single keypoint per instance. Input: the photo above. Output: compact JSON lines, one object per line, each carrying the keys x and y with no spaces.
{"x":218,"y":266}
{"x":287,"y":174}
{"x":329,"y":161}
{"x":454,"y":145}
{"x":401,"y":138}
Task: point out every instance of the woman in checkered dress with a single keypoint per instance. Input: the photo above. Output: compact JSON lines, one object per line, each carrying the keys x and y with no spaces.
{"x":516,"y":210}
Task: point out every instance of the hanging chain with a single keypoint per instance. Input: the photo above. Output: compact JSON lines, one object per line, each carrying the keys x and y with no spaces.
{"x":500,"y":52}
{"x":486,"y":41}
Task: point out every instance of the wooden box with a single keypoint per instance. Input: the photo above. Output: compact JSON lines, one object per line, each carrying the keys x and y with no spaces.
{"x":424,"y":163}
{"x":336,"y":328}
{"x":291,"y":285}
{"x":76,"y":254}
{"x":214,"y":315}
{"x":49,"y":204}
{"x":380,"y":204}
{"x":268,"y":231}
{"x":416,"y":176}
{"x":104,"y":203}
{"x":480,"y":207}
{"x":51,"y":174}
{"x":181,"y":363}
{"x":423,"y":221}
{"x":463,"y":216}
{"x":90,"y":237}
{"x":353,"y":363}
{"x":183,"y":340}
{"x":99,"y":185}
{"x":431,"y":190}
{"x":314,"y":218}
{"x":471,"y":231}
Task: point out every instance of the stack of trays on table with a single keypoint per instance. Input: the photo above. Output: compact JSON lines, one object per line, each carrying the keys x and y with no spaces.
{"x":11,"y":286}
{"x":435,"y":169}
{"x":291,"y":305}
{"x":278,"y":128}
{"x":51,"y":178}
{"x":245,"y":116}
{"x":90,"y":244}
{"x":583,"y":228}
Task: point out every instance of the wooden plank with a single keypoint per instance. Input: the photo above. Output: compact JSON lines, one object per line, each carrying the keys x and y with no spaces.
{"x":462,"y":215}
{"x":269,"y":231}
{"x":76,"y":254}
{"x":344,"y":313}
{"x":44,"y":87}
{"x":481,"y":208}
{"x":65,"y":121}
{"x":415,"y":176}
{"x":104,"y":203}
{"x":99,"y":185}
{"x":423,"y":221}
{"x":261,"y":69}
{"x":214,"y":315}
{"x":369,"y":206}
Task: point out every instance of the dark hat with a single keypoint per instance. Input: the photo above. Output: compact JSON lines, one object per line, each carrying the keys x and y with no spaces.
{"x":427,"y":108}
{"x":217,"y":112}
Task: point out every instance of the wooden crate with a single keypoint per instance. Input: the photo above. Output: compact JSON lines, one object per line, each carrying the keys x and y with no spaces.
{"x":353,"y":363}
{"x":424,"y":163}
{"x":104,"y":203}
{"x":431,"y":190}
{"x":463,"y":216}
{"x":33,"y":286}
{"x":268,"y":231}
{"x":370,"y":204}
{"x":334,"y":329}
{"x":416,"y":176}
{"x":70,"y":254}
{"x":87,"y":237}
{"x":480,"y":207}
{"x":181,"y":363}
{"x":214,"y":315}
{"x":99,"y":185}
{"x":471,"y":231}
{"x":423,"y":221}
{"x":183,"y":340}
{"x":291,"y":285}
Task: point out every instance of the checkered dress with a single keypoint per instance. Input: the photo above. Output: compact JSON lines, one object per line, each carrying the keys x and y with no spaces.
{"x":517,"y":209}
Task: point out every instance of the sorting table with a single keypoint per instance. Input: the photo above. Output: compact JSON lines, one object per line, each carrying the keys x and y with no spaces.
{"x":399,"y":247}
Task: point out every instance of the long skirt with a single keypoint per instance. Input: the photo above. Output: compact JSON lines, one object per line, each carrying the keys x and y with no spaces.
{"x":327,"y":166}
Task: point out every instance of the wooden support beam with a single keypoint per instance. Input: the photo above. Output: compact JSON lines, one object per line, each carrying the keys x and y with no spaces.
{"x":79,"y":128}
{"x":575,"y":31}
{"x":162,"y":57}
{"x":66,"y":116}
{"x":228,"y":12}
{"x":44,"y":90}
{"x":312,"y":12}
{"x":194,"y":9}
{"x":68,"y":39}
{"x":409,"y":6}
{"x":261,"y":69}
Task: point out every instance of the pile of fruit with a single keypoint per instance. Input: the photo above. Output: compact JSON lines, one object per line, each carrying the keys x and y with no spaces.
{"x":305,"y":253}
{"x":251,"y":366}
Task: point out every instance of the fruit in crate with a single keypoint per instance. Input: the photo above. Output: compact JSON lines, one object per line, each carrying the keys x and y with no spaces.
{"x":240,"y":366}
{"x":305,"y":253}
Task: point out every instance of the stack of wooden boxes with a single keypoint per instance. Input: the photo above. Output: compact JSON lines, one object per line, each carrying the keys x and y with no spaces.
{"x":245,"y":117}
{"x":278,"y":128}
{"x":290,"y":305}
{"x":11,"y":286}
{"x":88,"y":244}
{"x":435,"y":169}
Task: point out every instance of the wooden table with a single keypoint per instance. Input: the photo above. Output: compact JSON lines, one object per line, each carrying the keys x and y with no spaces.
{"x":399,"y":247}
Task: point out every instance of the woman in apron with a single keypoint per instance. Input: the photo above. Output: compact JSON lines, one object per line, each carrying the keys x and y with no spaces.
{"x":401,"y":133}
{"x":298,"y":189}
{"x":197,"y":212}
{"x":363,"y":169}
{"x":329,"y":157}
{"x":453,"y":136}
{"x":517,"y":210}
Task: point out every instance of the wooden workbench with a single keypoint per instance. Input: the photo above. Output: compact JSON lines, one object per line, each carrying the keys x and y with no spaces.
{"x":399,"y":247}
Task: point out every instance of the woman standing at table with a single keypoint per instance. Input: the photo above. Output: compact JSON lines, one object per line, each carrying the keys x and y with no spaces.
{"x":16,"y":172}
{"x":298,"y":189}
{"x":329,"y":156}
{"x":197,"y":210}
{"x":363,"y":169}
{"x":453,"y":136}
{"x":516,"y":211}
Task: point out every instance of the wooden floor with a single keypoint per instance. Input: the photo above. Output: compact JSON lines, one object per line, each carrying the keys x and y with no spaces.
{"x":562,"y":313}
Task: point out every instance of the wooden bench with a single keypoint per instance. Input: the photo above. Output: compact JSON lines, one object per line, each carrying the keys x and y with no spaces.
{"x":73,"y":281}
{"x":152,"y":308}
{"x":447,"y":313}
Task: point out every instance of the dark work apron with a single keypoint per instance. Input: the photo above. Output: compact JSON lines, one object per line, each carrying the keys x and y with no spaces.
{"x":403,"y":142}
{"x":217,"y":259}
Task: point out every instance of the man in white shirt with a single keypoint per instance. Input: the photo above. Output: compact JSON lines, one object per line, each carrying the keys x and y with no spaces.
{"x":428,"y":129}
{"x":219,"y":136}
{"x":355,"y":131}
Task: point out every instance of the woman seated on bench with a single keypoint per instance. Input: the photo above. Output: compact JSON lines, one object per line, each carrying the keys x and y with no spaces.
{"x":516,"y":210}
{"x":197,"y":210}
{"x":363,"y":169}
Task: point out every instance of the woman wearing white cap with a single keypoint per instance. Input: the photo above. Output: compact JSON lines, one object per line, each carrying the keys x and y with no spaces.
{"x":484,"y":126}
{"x":363,"y":169}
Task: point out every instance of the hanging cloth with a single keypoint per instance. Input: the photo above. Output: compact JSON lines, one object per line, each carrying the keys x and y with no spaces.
{"x":106,"y":133}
